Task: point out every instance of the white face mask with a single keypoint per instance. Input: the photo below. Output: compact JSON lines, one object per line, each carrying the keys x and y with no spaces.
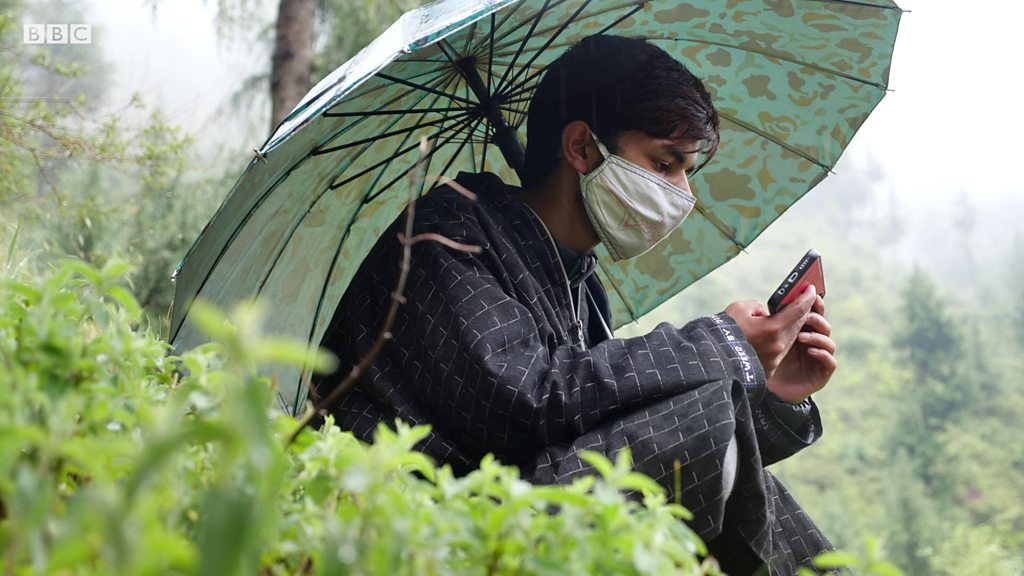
{"x":631,"y":208}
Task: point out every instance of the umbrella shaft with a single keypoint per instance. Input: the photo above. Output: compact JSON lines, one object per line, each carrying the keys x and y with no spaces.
{"x":504,"y":135}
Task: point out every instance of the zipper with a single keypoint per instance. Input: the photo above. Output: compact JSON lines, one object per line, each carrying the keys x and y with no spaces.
{"x":577,"y":324}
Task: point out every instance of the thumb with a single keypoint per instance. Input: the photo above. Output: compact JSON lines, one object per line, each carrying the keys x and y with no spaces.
{"x":799,"y":309}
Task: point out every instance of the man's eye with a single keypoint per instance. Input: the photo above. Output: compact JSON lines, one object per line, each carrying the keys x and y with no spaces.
{"x":661,"y":166}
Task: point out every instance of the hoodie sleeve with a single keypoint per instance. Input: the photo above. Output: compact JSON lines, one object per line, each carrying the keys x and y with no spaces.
{"x":784,"y":429}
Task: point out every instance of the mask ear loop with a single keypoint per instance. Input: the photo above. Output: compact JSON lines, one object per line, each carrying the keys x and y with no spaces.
{"x":601,"y":148}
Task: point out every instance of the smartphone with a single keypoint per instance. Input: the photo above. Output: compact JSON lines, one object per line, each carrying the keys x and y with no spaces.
{"x":808,"y":271}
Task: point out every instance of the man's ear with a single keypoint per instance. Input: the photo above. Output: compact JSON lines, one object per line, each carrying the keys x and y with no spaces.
{"x":578,"y":148}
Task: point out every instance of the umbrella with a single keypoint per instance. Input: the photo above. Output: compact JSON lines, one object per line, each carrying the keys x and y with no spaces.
{"x":793,"y":81}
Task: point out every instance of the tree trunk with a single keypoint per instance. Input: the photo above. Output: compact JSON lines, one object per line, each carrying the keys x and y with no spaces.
{"x":292,"y":63}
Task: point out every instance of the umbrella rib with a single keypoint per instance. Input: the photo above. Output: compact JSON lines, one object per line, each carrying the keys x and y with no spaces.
{"x":458,"y":125}
{"x":454,"y":131}
{"x":470,"y":135}
{"x":490,"y":85}
{"x":781,"y":57}
{"x":396,"y":112}
{"x":558,"y":32}
{"x":445,"y":48}
{"x":770,"y":138}
{"x":401,"y":175}
{"x":456,"y":154}
{"x":360,"y":119}
{"x":366,"y":171}
{"x":596,"y":13}
{"x":426,"y":167}
{"x":404,"y":140}
{"x":378,"y":137}
{"x":273,"y":187}
{"x":371,"y":90}
{"x":510,"y":13}
{"x":469,"y":36}
{"x":516,"y":89}
{"x":315,"y":201}
{"x":522,"y":45}
{"x":308,"y":103}
{"x":486,"y":147}
{"x":864,"y":4}
{"x":490,"y":59}
{"x":404,"y":82}
{"x":508,"y":33}
{"x":718,"y":224}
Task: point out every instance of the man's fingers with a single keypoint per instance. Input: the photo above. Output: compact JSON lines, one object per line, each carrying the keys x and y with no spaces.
{"x":826,"y":359}
{"x":817,"y":341}
{"x":817,"y":323}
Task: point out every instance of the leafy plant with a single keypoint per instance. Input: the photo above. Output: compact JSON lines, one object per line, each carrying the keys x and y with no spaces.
{"x":115,"y":458}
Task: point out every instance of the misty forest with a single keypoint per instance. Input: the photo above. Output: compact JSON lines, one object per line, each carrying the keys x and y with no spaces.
{"x":921,"y":464}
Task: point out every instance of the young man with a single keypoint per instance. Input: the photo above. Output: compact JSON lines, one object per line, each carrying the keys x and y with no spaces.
{"x":508,"y":351}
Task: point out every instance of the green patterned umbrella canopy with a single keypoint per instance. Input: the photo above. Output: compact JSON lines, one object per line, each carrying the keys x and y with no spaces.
{"x":793,"y":80}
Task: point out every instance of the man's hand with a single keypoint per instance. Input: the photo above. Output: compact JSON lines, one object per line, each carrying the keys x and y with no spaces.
{"x":794,"y":346}
{"x":810,"y":362}
{"x":773,"y":336}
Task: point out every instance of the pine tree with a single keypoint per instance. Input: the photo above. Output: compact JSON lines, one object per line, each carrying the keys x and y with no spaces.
{"x":1016,"y":286}
{"x":932,"y":345}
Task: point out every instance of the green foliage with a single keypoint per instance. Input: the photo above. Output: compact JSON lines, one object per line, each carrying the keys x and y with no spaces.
{"x":928,"y":335}
{"x":869,"y":563}
{"x":113,"y":462}
{"x":75,"y":183}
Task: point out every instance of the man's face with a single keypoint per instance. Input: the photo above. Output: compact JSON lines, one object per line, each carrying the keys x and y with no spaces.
{"x":673,"y":159}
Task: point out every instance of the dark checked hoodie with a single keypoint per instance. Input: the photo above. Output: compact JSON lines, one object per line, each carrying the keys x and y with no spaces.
{"x":502,"y":352}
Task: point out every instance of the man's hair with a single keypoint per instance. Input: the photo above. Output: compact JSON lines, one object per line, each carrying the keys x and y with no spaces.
{"x":615,"y":84}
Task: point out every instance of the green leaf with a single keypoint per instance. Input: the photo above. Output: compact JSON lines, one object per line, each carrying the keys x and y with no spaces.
{"x":835,"y":559}
{"x":84,"y":270}
{"x":210,"y":320}
{"x":115,"y":269}
{"x":599,"y":461}
{"x":641,"y":483}
{"x":293,"y":353}
{"x":228,"y":532}
{"x":126,"y":300}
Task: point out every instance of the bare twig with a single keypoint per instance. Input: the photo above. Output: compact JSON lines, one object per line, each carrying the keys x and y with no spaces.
{"x":457,"y":187}
{"x":407,"y":240}
{"x":443,"y":240}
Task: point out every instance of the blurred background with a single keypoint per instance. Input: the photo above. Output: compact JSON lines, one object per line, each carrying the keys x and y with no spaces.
{"x":126,"y":146}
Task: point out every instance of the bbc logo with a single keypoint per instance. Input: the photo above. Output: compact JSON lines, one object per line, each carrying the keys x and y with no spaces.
{"x":57,"y":34}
